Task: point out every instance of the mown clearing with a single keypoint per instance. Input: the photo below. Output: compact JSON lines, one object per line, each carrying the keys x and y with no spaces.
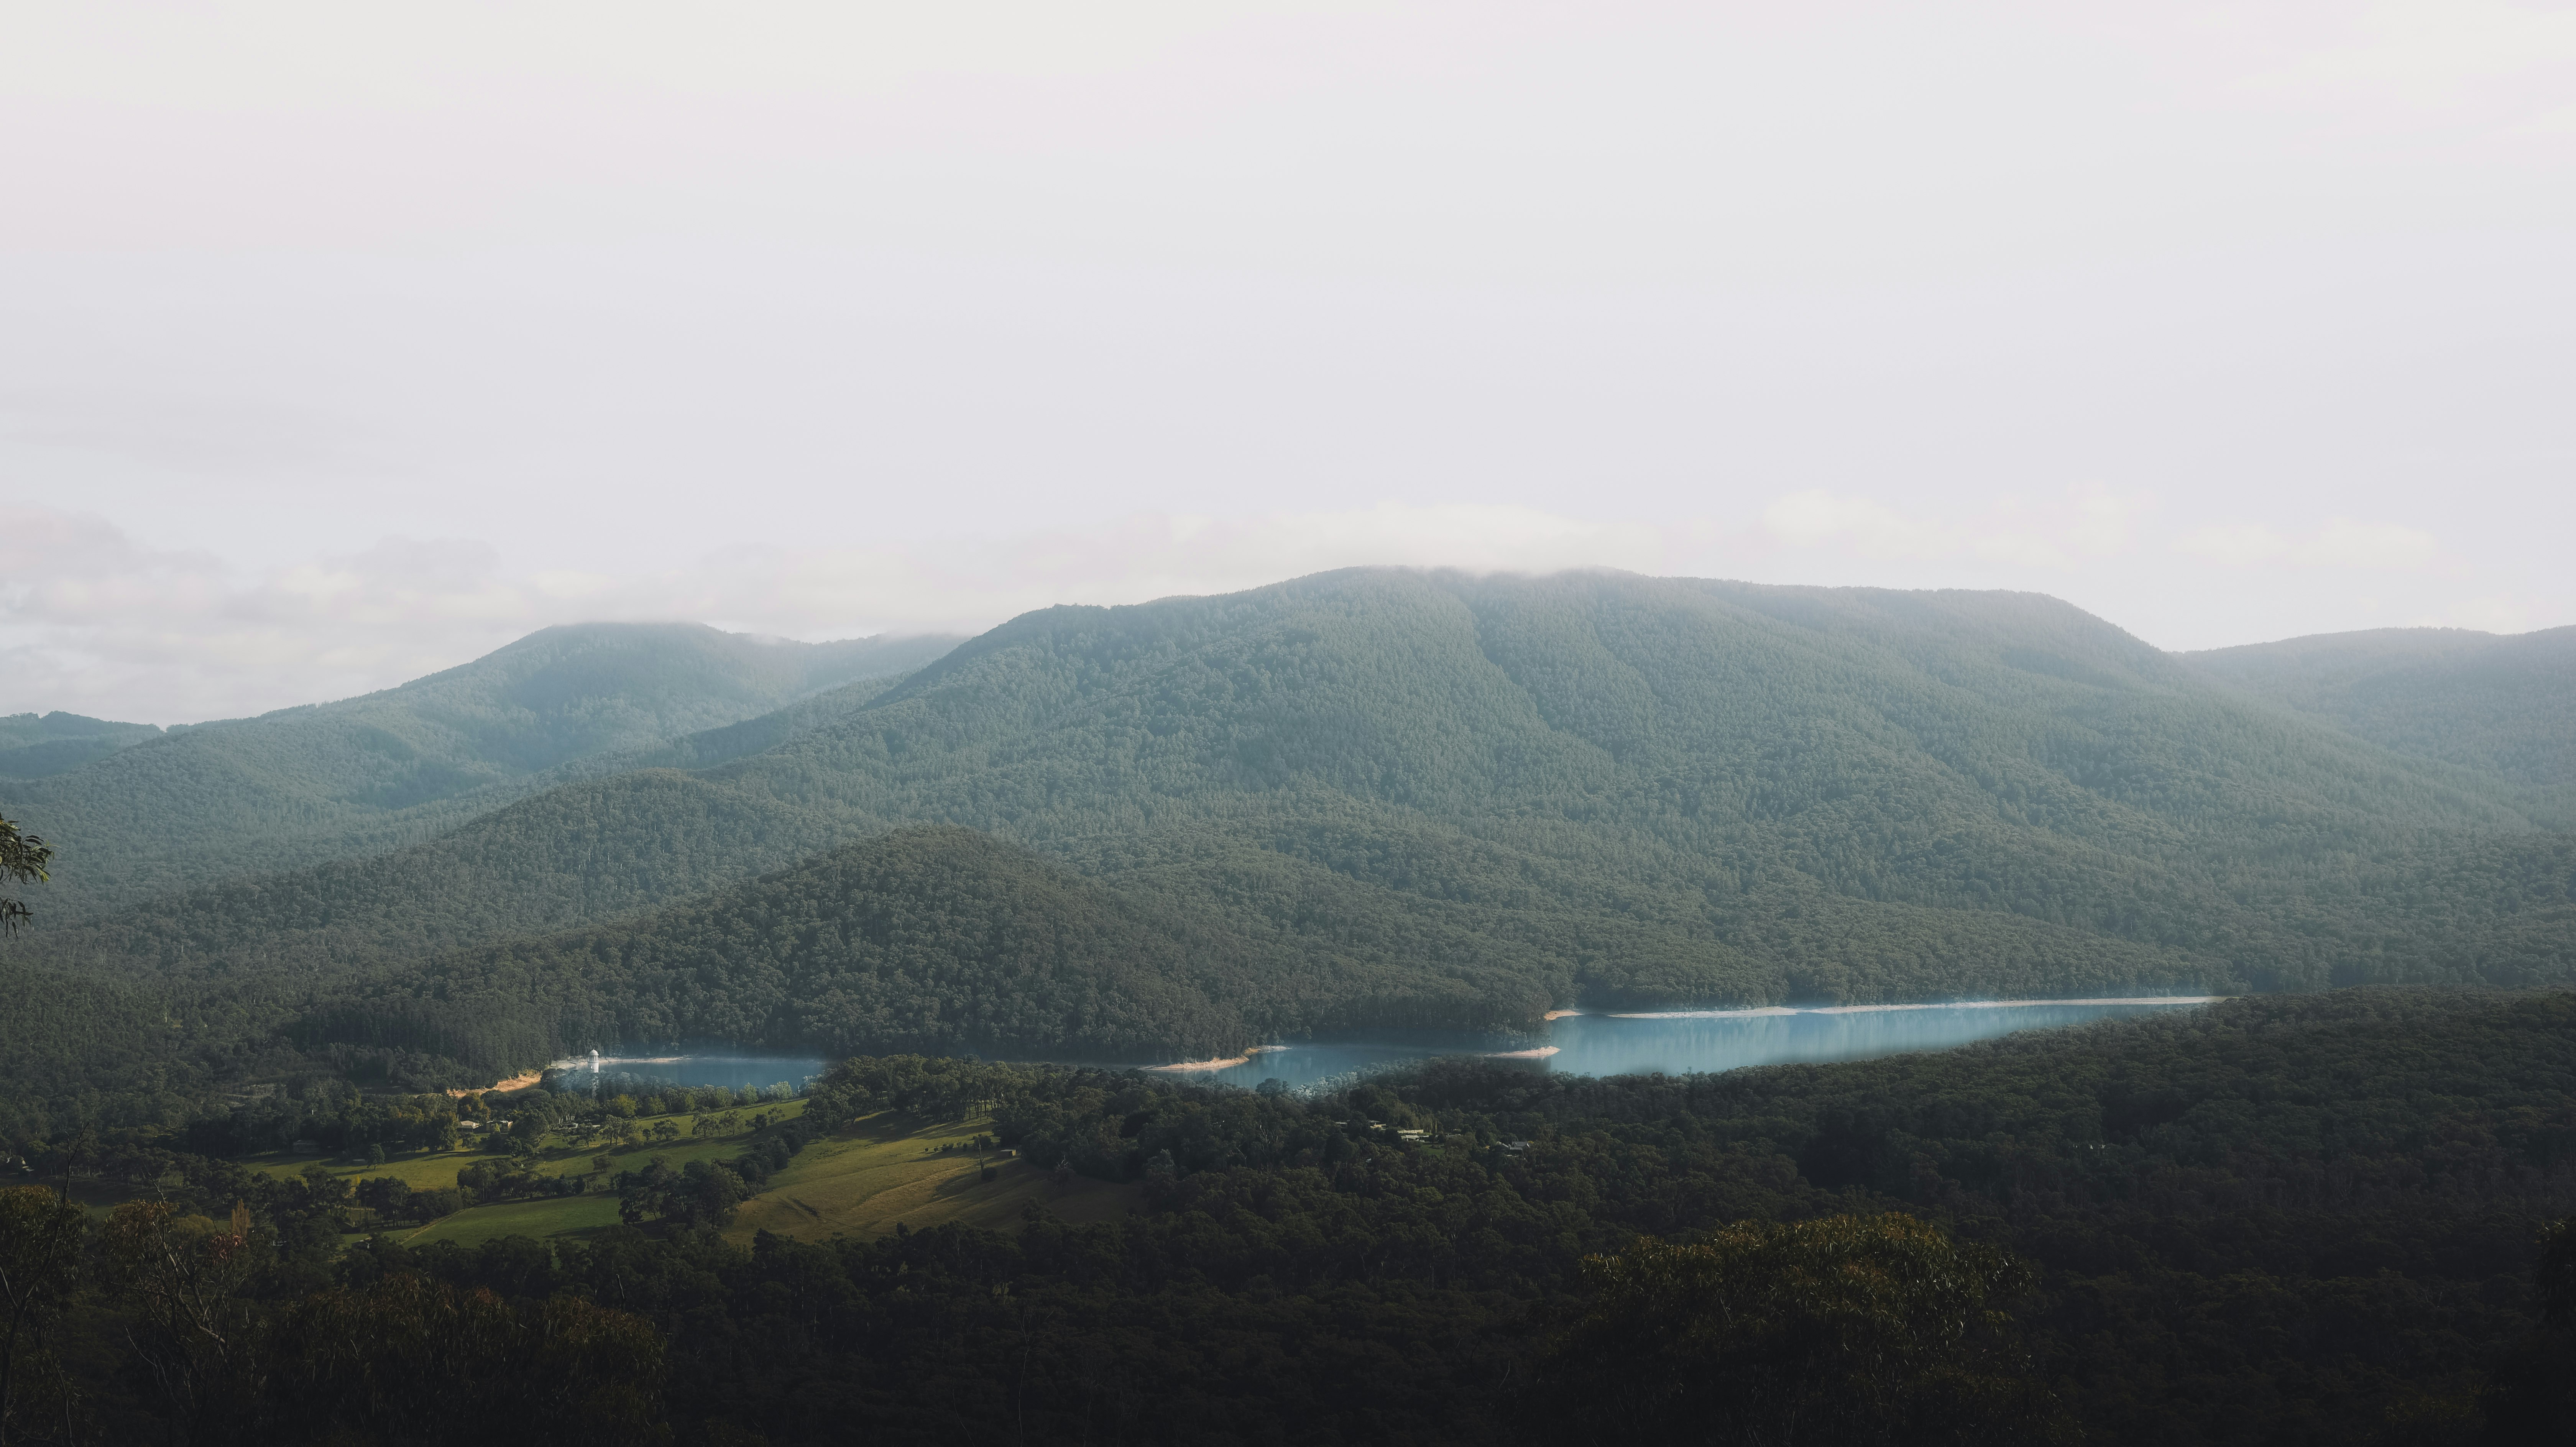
{"x":433,"y":1170}
{"x":544,"y":1216}
{"x":883,"y":1170}
{"x":889,"y":1169}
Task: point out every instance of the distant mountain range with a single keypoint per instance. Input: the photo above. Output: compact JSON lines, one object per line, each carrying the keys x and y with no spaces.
{"x":2503,"y":706}
{"x":39,"y":746}
{"x":143,"y":811}
{"x":1375,"y":798}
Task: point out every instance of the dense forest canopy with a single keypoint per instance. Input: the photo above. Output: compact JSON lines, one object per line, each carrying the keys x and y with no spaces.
{"x":2505,"y":706}
{"x":36,"y":746}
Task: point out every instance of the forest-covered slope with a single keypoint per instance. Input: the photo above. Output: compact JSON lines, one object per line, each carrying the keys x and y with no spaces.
{"x":932,"y":938}
{"x":2503,"y":706}
{"x":1591,"y":786}
{"x":308,"y":784}
{"x":36,"y":747}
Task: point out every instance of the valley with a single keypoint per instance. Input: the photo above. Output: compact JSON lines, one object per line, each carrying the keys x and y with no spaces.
{"x":1362,"y":801}
{"x":1414,"y":947}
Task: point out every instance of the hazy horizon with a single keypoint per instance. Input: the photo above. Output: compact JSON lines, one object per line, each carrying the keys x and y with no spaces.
{"x":342,"y":347}
{"x":890,"y":633}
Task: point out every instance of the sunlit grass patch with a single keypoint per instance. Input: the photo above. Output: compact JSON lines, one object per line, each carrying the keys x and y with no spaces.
{"x":420,"y":1170}
{"x":889,"y":1169}
{"x":546,"y":1216}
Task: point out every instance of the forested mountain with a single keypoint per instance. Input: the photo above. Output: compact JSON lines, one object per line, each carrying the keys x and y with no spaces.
{"x":1447,"y":801}
{"x":1370,"y":800}
{"x":313,"y":783}
{"x":932,"y":938}
{"x":2504,"y":706}
{"x":35,"y":747}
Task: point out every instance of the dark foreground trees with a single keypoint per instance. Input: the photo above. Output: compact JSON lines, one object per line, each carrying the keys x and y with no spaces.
{"x":410,"y":1360}
{"x":2534,"y":1396}
{"x":217,"y":1338}
{"x":1848,"y":1329}
{"x":23,"y":858}
{"x":2274,"y":1222}
{"x":40,"y":1275}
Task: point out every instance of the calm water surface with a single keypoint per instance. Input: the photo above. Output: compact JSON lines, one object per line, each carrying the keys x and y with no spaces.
{"x":1604,"y":1044}
{"x":730,"y":1067}
{"x":1678,"y":1041}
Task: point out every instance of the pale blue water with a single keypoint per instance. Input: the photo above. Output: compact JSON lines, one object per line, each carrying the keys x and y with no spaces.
{"x":1709,"y":1040}
{"x":731,"y":1068}
{"x":1672,"y":1042}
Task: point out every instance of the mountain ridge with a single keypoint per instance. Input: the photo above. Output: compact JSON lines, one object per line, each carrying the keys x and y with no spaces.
{"x":2501,"y":705}
{"x":304,"y":785}
{"x":1238,"y":715}
{"x":1399,"y":799}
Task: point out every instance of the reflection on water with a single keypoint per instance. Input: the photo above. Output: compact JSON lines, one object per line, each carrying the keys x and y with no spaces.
{"x":1673,"y":1042}
{"x":721,"y":1065}
{"x":1687,"y":1040}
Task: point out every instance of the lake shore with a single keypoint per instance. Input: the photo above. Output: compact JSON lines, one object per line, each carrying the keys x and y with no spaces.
{"x":1228,"y":1063}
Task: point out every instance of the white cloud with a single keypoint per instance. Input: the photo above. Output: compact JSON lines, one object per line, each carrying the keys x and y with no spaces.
{"x":2240,"y":543}
{"x":2428,"y":54}
{"x":94,"y":623}
{"x":2342,"y":543}
{"x":2085,"y":523}
{"x":2346,"y":543}
{"x":2496,"y":613}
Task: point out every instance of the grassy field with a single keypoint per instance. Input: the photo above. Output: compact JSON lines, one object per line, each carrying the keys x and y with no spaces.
{"x":548,"y":1216}
{"x":431,"y":1170}
{"x":889,"y":1169}
{"x":420,"y":1170}
{"x":883,"y":1170}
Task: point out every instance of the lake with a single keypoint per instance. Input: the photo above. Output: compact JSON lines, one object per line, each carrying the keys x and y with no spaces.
{"x":1671,"y":1041}
{"x":728,"y":1066}
{"x":1678,"y":1041}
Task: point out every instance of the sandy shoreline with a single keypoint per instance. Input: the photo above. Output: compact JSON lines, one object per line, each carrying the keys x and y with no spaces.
{"x":1947,"y":1005}
{"x":1541,"y":1053}
{"x":1559,"y":1014}
{"x":1226,"y":1064}
{"x":516,"y":1082}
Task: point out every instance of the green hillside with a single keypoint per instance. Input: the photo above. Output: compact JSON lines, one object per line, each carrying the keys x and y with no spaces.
{"x":2503,"y":706}
{"x":305,"y":785}
{"x":932,"y":939}
{"x":1430,"y":800}
{"x":34,"y":747}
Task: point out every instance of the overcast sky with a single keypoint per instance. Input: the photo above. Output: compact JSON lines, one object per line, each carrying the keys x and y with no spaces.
{"x":343,"y":343}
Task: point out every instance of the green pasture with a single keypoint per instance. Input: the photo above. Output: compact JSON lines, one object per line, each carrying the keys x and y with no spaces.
{"x":555,"y":1215}
{"x":888,"y":1168}
{"x":548,"y":1216}
{"x":420,"y":1170}
{"x":883,"y":1169}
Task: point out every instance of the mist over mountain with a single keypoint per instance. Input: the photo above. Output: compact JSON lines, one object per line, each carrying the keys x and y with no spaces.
{"x":1425,"y":799}
{"x":323,"y":781}
{"x":2503,"y":706}
{"x":36,"y":746}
